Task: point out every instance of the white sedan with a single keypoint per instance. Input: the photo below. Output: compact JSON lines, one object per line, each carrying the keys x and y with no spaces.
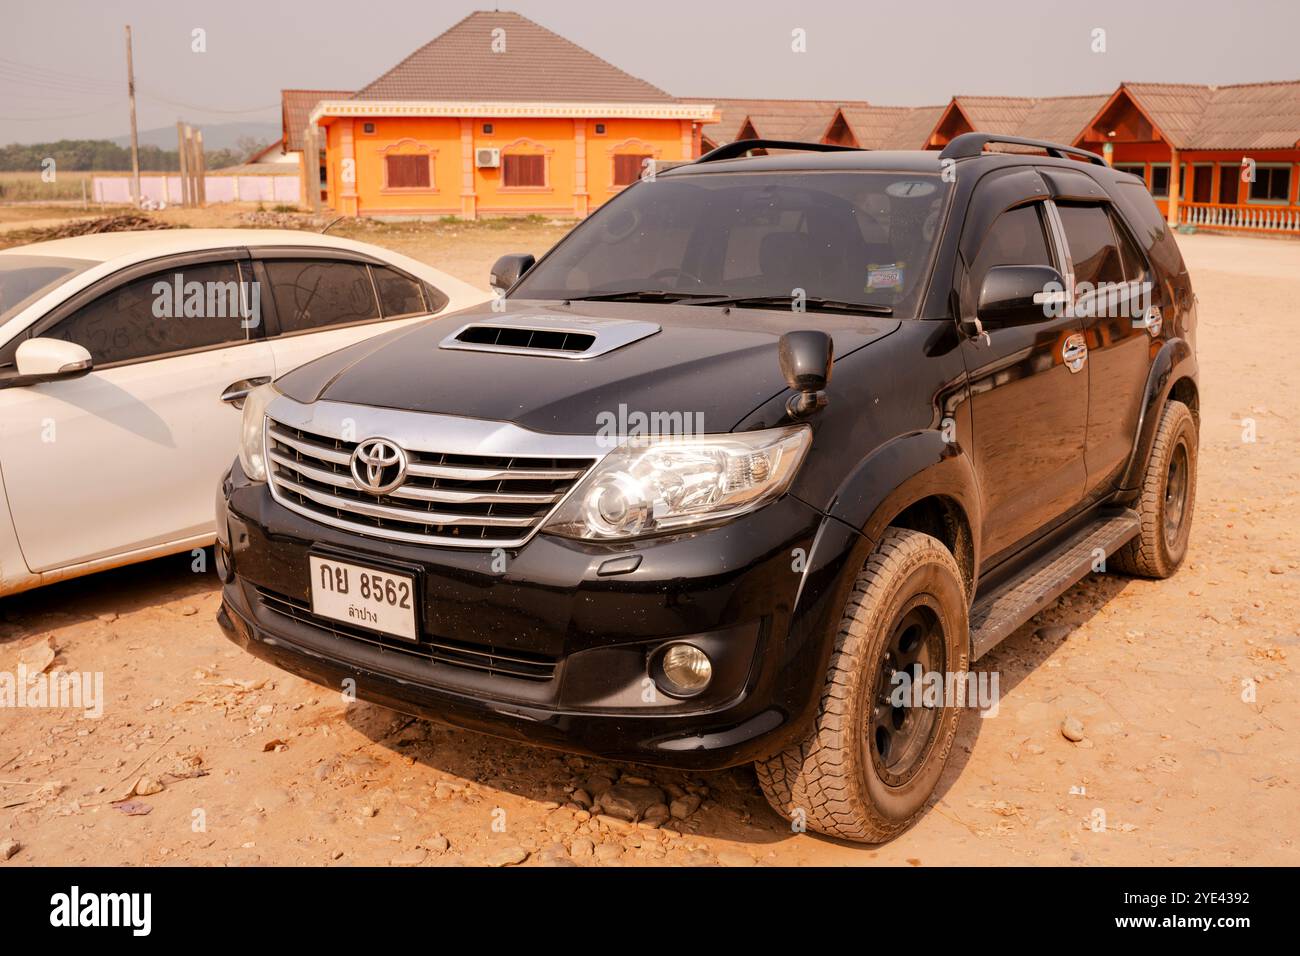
{"x":124,"y":358}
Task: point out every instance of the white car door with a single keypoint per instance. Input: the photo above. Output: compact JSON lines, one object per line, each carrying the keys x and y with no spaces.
{"x":126,"y":457}
{"x":321,"y":303}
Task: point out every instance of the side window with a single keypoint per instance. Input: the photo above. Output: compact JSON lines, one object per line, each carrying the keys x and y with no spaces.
{"x":1135,"y":266}
{"x":398,"y":294}
{"x":436,"y":298}
{"x":1016,"y":238}
{"x":317,"y":293}
{"x":1149,"y":228}
{"x":188,"y":307}
{"x":1092,"y":246}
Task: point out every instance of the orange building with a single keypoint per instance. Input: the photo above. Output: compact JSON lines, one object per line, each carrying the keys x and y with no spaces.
{"x":497,"y":116}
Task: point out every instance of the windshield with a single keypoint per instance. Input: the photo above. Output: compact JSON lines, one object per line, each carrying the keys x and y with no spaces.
{"x":857,"y":237}
{"x":24,"y":279}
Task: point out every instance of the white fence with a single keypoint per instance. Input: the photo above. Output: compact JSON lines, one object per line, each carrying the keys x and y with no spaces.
{"x":167,"y":189}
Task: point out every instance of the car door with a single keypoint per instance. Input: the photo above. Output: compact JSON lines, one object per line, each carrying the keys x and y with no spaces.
{"x":1029,"y":404}
{"x":126,"y":457}
{"x":1114,"y":296}
{"x":323,"y":302}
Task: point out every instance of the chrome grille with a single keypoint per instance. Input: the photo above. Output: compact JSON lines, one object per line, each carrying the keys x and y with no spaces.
{"x":490,"y":659}
{"x":447,"y":499}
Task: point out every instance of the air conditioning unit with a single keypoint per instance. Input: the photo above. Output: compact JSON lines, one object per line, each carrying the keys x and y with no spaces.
{"x":487,"y":158}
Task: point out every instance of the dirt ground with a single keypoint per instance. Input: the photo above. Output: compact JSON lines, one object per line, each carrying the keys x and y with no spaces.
{"x":1187,"y":691}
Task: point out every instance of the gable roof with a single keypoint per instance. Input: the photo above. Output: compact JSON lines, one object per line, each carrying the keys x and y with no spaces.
{"x":1058,"y":119}
{"x":1241,"y":116}
{"x":804,"y":120}
{"x":891,"y":127}
{"x":536,"y":66}
{"x":295,"y":109}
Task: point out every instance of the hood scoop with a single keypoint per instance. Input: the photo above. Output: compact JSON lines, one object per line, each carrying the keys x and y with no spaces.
{"x":547,"y":336}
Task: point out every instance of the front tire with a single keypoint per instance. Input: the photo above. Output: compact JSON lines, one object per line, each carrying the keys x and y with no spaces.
{"x":1167,"y":501}
{"x":868,"y":767}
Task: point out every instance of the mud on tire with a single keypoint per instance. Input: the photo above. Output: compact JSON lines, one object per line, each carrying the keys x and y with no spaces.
{"x":847,"y":779}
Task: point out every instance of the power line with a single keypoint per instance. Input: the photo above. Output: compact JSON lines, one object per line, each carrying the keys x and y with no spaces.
{"x":200,"y":109}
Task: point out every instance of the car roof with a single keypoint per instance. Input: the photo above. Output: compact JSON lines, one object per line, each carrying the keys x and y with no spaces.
{"x":126,"y":248}
{"x":848,"y":160}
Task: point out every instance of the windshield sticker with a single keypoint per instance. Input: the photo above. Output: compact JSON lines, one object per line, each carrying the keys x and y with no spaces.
{"x":885,"y":276}
{"x":910,"y":189}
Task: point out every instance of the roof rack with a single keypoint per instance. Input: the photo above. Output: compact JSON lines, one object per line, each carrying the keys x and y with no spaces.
{"x":972,"y":144}
{"x":742,"y":146}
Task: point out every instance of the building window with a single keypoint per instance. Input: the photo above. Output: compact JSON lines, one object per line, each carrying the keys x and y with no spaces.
{"x":487,"y":129}
{"x":523,"y":171}
{"x":628,"y":168}
{"x":600,"y":129}
{"x":1272,"y":184}
{"x":367,"y":127}
{"x":1136,"y":169}
{"x":408,"y":172}
{"x":1160,"y":180}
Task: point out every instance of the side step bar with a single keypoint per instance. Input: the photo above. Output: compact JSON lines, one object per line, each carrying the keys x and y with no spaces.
{"x":995,"y":616}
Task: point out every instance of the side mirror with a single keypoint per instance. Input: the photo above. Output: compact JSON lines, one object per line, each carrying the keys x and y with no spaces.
{"x":806,"y":357}
{"x":509,"y":269}
{"x":44,"y":360}
{"x":1007,"y":296}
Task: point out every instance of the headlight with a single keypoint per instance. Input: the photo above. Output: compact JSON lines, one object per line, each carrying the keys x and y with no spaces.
{"x":252,"y":457}
{"x":657,"y":485}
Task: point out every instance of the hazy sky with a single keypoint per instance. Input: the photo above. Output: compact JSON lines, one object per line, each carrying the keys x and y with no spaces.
{"x":62,"y":63}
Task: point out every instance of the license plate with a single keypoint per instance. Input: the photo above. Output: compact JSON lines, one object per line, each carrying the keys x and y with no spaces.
{"x":372,"y":598}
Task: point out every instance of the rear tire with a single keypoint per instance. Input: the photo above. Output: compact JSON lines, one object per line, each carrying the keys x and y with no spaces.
{"x":867,"y":768}
{"x":1167,"y":501}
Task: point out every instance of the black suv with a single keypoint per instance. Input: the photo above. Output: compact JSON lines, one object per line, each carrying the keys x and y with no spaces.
{"x":626,"y":510}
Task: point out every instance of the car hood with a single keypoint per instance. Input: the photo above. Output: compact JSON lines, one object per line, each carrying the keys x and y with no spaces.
{"x":706,"y":361}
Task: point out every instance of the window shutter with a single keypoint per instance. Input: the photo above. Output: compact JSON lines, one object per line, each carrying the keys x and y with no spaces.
{"x":627,"y":168}
{"x":408,"y":172}
{"x":523,"y":170}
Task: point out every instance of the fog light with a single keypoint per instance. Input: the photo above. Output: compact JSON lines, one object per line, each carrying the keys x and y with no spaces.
{"x":224,"y":567}
{"x":687,"y":668}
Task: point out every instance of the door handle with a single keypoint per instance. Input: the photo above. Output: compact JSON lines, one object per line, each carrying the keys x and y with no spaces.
{"x":235,"y":393}
{"x":1074,"y":352}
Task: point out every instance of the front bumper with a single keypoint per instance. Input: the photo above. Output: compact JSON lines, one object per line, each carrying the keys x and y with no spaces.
{"x":540,"y":646}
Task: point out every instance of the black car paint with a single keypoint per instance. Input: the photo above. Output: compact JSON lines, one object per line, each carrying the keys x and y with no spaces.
{"x":912,"y":403}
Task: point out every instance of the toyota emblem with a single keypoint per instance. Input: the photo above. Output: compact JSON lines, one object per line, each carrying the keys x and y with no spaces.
{"x":378,"y":466}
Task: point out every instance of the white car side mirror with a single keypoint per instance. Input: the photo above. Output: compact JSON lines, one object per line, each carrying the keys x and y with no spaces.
{"x":43,"y":360}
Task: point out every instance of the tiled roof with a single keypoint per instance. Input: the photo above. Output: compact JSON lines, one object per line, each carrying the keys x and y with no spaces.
{"x":891,"y":127}
{"x":1058,"y":119}
{"x":1242,"y":116}
{"x":296,"y":107}
{"x":771,"y":119}
{"x":535,"y":66}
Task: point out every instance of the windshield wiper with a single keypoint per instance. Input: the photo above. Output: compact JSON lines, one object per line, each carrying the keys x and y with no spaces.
{"x":812,"y":303}
{"x":640,"y":295}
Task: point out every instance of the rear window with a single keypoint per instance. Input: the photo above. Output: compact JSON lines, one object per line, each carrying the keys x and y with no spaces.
{"x":24,"y":279}
{"x":318,"y":293}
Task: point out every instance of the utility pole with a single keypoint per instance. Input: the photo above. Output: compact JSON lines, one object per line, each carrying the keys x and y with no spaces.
{"x":135,"y":136}
{"x":183,"y":152}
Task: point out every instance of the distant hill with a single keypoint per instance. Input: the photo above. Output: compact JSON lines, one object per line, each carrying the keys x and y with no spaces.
{"x":215,"y":135}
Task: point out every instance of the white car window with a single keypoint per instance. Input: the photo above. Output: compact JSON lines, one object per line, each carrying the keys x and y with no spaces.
{"x":173,"y":310}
